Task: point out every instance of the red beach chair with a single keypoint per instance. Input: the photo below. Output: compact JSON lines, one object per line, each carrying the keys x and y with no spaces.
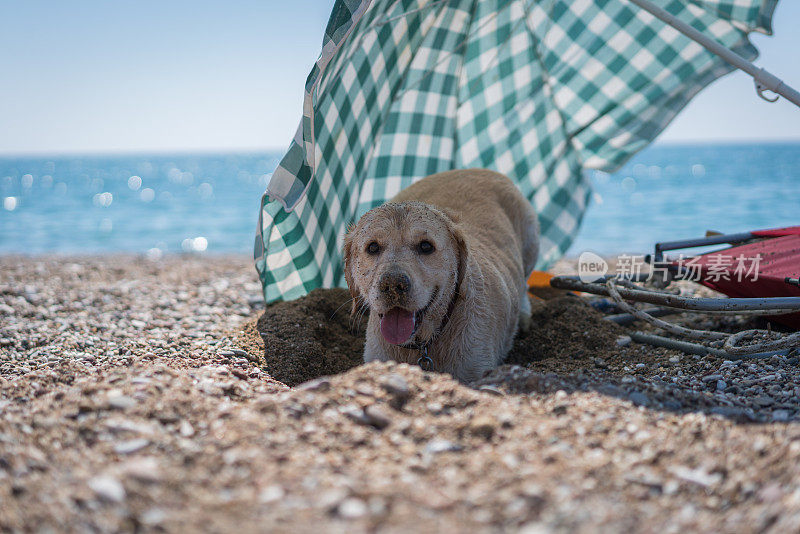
{"x":759,"y":264}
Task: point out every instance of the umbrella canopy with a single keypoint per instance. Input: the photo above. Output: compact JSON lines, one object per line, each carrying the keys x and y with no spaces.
{"x":539,"y":90}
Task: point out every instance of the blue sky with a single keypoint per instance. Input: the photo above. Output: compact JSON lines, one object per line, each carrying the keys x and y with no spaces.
{"x":118,"y":76}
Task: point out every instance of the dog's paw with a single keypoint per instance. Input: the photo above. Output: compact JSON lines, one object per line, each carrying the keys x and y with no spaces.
{"x":524,"y":322}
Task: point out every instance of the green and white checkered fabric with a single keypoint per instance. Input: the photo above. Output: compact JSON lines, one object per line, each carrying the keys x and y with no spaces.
{"x":539,"y":90}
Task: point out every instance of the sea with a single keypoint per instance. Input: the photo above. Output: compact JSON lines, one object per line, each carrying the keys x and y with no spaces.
{"x":208,"y":203}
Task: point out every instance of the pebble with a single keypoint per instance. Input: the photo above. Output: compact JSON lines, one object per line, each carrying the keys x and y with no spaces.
{"x":623,"y":341}
{"x":639,"y":398}
{"x":131,"y":446}
{"x":107,"y":488}
{"x":318,"y":384}
{"x":153,"y":517}
{"x":771,"y":493}
{"x":436,"y":446}
{"x":712,"y":378}
{"x":143,"y":469}
{"x":186,"y":429}
{"x":119,"y":401}
{"x":482,"y":426}
{"x":780,"y":416}
{"x":763,"y":400}
{"x":396,"y":385}
{"x":352,"y":508}
{"x":330,"y":498}
{"x":492,"y":390}
{"x":435,"y":408}
{"x":271,"y":494}
{"x":371,"y":416}
{"x":696,"y":476}
{"x":240,"y":373}
{"x":535,"y":527}
{"x":127,"y":425}
{"x":377,"y":417}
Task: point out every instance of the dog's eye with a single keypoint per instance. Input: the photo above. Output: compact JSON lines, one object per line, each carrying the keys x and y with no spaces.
{"x":425,"y":247}
{"x":373,"y":248}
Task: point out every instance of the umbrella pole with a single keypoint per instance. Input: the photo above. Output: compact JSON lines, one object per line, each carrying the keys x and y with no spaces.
{"x":765,"y":81}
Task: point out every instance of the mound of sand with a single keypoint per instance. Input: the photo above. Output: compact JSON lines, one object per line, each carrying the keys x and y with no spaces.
{"x":564,"y":328}
{"x":315,"y":336}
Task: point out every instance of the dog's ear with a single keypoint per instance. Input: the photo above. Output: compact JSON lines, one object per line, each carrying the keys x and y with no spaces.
{"x":461,"y":247}
{"x":347,"y":254}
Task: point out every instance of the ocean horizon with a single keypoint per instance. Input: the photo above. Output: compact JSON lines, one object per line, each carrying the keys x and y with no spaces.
{"x":162,"y":203}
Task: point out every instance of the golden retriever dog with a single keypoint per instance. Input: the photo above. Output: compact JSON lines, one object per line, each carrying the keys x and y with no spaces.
{"x":443,"y":268}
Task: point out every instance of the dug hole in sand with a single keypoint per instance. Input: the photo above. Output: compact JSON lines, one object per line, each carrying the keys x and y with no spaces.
{"x":316,"y":336}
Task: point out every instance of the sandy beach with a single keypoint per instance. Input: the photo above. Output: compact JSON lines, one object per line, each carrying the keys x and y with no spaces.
{"x":137,"y":395}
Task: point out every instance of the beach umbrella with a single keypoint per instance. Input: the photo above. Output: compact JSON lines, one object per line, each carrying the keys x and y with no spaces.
{"x":540,"y":90}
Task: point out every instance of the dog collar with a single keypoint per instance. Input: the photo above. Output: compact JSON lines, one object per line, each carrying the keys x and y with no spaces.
{"x":424,"y":361}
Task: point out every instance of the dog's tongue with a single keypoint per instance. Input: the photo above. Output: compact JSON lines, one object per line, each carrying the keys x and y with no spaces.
{"x":397,"y":325}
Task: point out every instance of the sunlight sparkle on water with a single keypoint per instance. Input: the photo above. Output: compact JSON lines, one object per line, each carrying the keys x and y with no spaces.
{"x":628,"y":184}
{"x":698,"y":170}
{"x":103,"y":200}
{"x":147,"y":195}
{"x":206,"y":190}
{"x":197,"y":244}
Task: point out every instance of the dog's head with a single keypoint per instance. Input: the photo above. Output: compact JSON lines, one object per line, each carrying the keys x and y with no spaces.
{"x":406,"y":261}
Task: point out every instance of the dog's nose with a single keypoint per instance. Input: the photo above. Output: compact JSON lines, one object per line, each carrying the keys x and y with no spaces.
{"x":394,"y":284}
